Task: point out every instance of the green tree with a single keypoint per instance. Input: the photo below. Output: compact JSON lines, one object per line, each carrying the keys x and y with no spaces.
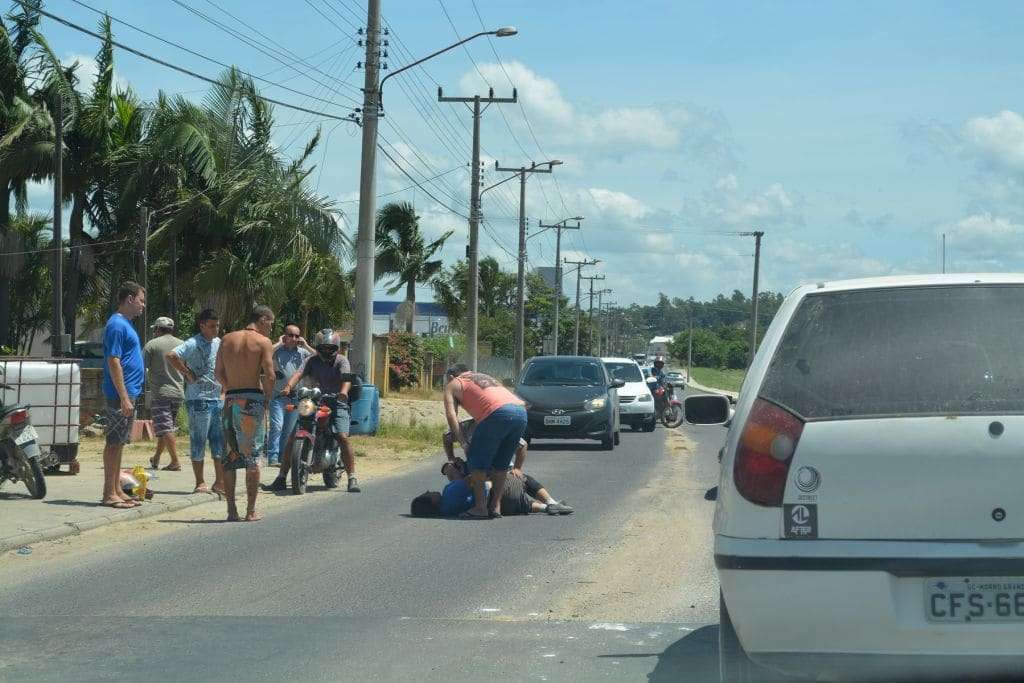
{"x":403,"y":253}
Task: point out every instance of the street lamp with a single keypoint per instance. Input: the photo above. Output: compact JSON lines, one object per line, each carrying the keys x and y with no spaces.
{"x":503,"y":32}
{"x":373,"y":109}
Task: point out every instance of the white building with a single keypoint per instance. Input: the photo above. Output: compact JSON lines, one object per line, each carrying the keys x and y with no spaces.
{"x":658,"y":346}
{"x":430,"y":318}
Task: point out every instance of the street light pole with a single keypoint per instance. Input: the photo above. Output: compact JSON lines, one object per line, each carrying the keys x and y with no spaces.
{"x":579,"y":273}
{"x":362,"y":338}
{"x":521,"y":274}
{"x":373,"y":96}
{"x":757,"y":235}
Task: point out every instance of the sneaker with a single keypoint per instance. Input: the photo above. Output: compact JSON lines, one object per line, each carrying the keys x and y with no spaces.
{"x":353,"y":485}
{"x":279,"y":484}
{"x":559,"y":509}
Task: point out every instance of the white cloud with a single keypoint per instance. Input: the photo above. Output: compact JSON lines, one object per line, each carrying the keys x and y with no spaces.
{"x":618,"y":204}
{"x":620,"y":131}
{"x":87,"y":71}
{"x":998,"y":139}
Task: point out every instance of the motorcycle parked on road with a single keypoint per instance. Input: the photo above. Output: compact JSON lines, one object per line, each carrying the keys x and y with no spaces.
{"x":667,"y":407}
{"x":20,"y":457}
{"x":314,"y":446}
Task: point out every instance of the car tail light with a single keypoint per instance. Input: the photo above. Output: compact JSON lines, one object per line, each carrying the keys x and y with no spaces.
{"x":765,"y":452}
{"x":18,"y":417}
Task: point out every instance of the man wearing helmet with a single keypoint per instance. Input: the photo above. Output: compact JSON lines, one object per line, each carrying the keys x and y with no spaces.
{"x":326,"y":370}
{"x":658,"y":370}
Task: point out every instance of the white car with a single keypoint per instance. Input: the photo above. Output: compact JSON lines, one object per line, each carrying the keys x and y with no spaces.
{"x":636,"y":404}
{"x":870,"y":516}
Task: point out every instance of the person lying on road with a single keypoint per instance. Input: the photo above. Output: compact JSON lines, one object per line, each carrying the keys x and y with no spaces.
{"x":467,"y":427}
{"x":457,"y":497}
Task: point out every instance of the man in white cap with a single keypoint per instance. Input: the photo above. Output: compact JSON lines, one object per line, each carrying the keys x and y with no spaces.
{"x":164,"y":391}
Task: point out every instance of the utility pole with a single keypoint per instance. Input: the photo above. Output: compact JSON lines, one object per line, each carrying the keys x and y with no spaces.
{"x":143,"y":269}
{"x":474,"y":216}
{"x":521,"y":274}
{"x":604,"y":339}
{"x":57,"y":326}
{"x":600,"y":296}
{"x":362,"y":338}
{"x":174,"y":279}
{"x":590,"y":313}
{"x":943,"y":253}
{"x":559,"y":227}
{"x":757,"y":235}
{"x":689,"y":349}
{"x":579,"y":268}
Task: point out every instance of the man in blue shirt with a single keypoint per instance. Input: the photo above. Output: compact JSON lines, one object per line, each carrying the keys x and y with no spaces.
{"x":123,"y":375}
{"x":290,"y":355}
{"x":196,"y":360}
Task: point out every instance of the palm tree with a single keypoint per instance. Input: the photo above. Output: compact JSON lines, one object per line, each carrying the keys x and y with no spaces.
{"x":403,"y":253}
{"x":31,"y":79}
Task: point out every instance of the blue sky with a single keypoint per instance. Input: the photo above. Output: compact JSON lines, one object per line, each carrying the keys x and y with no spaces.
{"x":853,"y":134}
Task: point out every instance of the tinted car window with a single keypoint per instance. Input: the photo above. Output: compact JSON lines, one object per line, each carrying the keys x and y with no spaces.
{"x":906,"y":351}
{"x":627,"y":372}
{"x":564,"y":372}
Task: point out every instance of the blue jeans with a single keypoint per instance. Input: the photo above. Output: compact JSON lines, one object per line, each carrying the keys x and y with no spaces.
{"x":495,"y":439}
{"x":282,"y":424}
{"x":204,"y":425}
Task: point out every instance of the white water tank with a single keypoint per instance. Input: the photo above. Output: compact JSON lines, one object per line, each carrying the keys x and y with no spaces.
{"x":53,"y":389}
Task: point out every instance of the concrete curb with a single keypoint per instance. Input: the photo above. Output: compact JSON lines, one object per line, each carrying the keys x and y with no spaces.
{"x":150,"y":509}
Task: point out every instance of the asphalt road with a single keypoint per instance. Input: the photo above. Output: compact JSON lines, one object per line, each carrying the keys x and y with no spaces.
{"x":348,"y":585}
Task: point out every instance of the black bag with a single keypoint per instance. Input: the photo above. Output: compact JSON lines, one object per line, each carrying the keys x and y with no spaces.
{"x":357,"y":386}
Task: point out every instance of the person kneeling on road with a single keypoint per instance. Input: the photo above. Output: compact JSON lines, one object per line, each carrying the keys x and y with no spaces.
{"x":522,"y":495}
{"x":326,"y":371}
{"x":500,"y":423}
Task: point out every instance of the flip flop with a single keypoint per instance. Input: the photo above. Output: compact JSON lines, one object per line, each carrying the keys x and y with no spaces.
{"x":119,"y":505}
{"x":470,"y":515}
{"x":171,"y":468}
{"x":494,"y":515}
{"x":201,"y":489}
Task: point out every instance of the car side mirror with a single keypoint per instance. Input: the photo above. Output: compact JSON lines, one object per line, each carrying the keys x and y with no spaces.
{"x":617,"y":384}
{"x":707,"y":409}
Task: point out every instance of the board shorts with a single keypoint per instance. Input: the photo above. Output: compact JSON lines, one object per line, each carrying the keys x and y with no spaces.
{"x":165,"y":416}
{"x":245,"y":429}
{"x":495,"y":439}
{"x":119,"y":427}
{"x":514,"y":499}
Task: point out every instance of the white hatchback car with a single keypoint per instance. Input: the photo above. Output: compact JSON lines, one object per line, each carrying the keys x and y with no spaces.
{"x":870,"y":515}
{"x":636,"y":404}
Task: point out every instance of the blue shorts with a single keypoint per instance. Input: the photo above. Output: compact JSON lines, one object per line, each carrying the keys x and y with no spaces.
{"x":341,"y":419}
{"x":495,"y":439}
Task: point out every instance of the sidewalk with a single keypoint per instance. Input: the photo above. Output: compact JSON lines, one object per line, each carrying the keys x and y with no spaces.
{"x":71,"y":505}
{"x":690,"y":384}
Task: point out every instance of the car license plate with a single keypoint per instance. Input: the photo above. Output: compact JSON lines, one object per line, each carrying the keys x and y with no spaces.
{"x":966,"y":600}
{"x":557,"y":420}
{"x":27,"y":434}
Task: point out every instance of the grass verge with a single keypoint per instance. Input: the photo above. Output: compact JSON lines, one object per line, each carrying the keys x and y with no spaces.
{"x":730,"y":380}
{"x":400,"y":441}
{"x":418,"y":393}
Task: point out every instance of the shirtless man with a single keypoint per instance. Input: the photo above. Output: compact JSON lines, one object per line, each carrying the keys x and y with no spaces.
{"x":246,"y":361}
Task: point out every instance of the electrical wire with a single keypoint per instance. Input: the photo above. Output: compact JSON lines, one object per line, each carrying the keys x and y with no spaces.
{"x":169,"y":65}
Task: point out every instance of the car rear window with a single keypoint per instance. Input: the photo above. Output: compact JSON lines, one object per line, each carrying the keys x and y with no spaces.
{"x":627,"y":372}
{"x":902,"y":351}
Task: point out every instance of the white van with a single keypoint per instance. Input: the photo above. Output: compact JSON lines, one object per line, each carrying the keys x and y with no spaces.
{"x":636,"y":404}
{"x":870,"y":516}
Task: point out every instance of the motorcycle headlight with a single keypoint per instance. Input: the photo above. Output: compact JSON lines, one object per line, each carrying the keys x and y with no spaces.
{"x":302,"y":392}
{"x":646,"y":398}
{"x":306,"y":407}
{"x":595,"y":403}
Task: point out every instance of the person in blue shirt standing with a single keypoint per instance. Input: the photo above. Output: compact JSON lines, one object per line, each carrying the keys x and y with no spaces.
{"x":290,"y":355}
{"x":196,"y":360}
{"x":123,"y":375}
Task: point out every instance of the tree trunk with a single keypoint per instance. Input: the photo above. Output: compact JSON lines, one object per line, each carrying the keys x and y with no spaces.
{"x":6,"y":338}
{"x":410,"y":296}
{"x":76,"y":227}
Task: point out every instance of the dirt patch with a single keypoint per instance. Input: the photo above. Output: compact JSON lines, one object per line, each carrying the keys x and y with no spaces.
{"x":661,"y":570}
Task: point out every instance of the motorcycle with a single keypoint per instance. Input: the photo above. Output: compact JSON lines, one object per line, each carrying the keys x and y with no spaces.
{"x":667,"y":407}
{"x":20,"y":457}
{"x":314,"y":446}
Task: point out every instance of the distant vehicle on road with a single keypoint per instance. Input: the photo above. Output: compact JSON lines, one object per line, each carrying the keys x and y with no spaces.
{"x":676,"y":379}
{"x":869,"y":515}
{"x":570,"y":397}
{"x":636,"y":404}
{"x":640,"y":358}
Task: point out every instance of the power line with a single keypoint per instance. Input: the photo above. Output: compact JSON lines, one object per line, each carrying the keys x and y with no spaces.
{"x":406,"y":189}
{"x":168,"y":65}
{"x":417,"y":183}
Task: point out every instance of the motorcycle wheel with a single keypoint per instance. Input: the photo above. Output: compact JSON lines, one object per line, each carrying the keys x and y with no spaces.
{"x":332,"y":475}
{"x":35,"y":482}
{"x":300,"y":469}
{"x":672,"y":417}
